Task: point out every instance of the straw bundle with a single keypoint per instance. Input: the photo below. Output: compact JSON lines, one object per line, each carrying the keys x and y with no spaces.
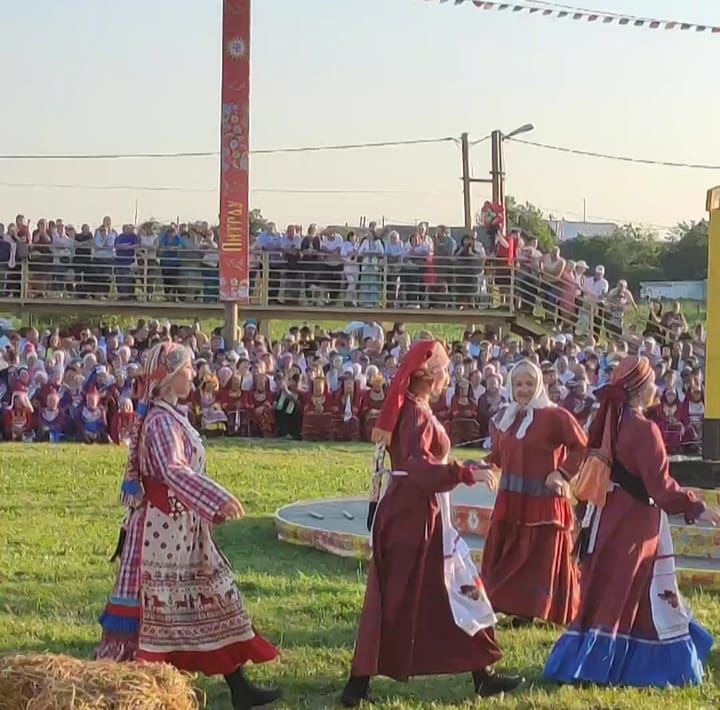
{"x":50,"y":682}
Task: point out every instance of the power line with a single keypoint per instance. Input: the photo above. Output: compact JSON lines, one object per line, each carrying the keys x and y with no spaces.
{"x":347,"y":191}
{"x":138,"y":188}
{"x":479,"y":140}
{"x":215,"y":154}
{"x":353,"y":146}
{"x":268,"y":190}
{"x":109,"y":156}
{"x":622,"y":158}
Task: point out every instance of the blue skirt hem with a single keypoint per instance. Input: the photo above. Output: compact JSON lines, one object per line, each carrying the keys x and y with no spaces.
{"x":594,"y":656}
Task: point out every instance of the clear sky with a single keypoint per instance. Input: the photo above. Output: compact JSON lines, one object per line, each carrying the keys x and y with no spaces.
{"x":86,"y":76}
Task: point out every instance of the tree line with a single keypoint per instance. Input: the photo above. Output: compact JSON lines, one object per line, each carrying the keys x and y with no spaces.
{"x":632,"y":253}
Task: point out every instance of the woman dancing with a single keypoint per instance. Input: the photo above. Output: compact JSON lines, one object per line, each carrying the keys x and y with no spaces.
{"x":425,"y":611}
{"x":527,"y":565}
{"x":175,"y":599}
{"x":632,"y":627}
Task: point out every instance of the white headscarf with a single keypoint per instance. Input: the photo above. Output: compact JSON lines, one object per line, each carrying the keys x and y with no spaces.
{"x":540,"y":400}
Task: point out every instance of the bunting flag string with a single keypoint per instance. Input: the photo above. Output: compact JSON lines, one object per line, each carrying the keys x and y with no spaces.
{"x":561,"y":11}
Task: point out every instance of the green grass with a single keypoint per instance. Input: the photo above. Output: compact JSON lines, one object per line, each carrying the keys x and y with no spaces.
{"x":58,"y":525}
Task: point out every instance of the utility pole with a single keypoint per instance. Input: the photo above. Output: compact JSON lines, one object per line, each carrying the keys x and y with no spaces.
{"x":467,"y":182}
{"x":498,"y":169}
{"x":467,"y":204}
{"x":497,"y":179}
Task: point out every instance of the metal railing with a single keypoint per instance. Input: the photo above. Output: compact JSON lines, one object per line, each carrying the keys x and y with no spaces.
{"x":139,"y":275}
{"x":410,"y":282}
{"x":471,"y":283}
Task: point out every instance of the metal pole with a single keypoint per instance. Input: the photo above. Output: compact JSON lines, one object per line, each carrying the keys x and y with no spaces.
{"x":496,"y":170}
{"x":501,"y":169}
{"x":467,"y":205}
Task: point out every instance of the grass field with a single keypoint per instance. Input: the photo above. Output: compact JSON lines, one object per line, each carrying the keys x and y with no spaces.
{"x":58,"y":525}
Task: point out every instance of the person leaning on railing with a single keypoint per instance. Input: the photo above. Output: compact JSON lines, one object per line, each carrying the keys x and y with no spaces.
{"x":674,"y":322}
{"x":553,"y":266}
{"x":40,"y":260}
{"x":270,"y":241}
{"x":371,"y":254}
{"x":210,"y":261}
{"x":468,"y":263}
{"x":82,"y":262}
{"x":618,"y":301}
{"x":415,"y":258}
{"x":18,"y":255}
{"x":528,"y":273}
{"x":125,"y":266}
{"x":394,"y":253}
{"x":147,"y":260}
{"x":596,"y":289}
{"x":310,"y":269}
{"x":169,"y":253}
{"x":444,"y":248}
{"x":191,"y":264}
{"x":62,"y":248}
{"x":332,"y":244}
{"x":351,"y":270}
{"x":103,"y":260}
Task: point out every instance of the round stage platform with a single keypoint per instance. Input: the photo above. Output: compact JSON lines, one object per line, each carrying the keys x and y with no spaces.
{"x":338,"y":526}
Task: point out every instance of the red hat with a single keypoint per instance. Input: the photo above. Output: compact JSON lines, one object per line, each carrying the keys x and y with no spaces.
{"x":629,"y":376}
{"x":425,"y":357}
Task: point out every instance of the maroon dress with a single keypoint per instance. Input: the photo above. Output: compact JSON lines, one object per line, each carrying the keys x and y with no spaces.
{"x":527,"y":564}
{"x":406,"y":626}
{"x":632,"y":627}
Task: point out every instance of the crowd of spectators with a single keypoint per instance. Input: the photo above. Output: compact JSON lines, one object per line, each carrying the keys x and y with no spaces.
{"x":177,"y":262}
{"x":81,"y":383}
{"x":370,"y":267}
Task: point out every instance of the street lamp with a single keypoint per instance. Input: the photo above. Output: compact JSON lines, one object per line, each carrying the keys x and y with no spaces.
{"x":498,"y":172}
{"x":526,"y":128}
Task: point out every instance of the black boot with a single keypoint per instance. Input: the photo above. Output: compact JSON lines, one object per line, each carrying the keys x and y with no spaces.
{"x":355,"y":691}
{"x":245,"y":695}
{"x":488,"y":683}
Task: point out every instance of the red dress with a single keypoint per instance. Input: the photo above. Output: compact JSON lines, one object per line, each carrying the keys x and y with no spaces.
{"x":463,"y":420}
{"x":527,"y":564}
{"x":486,"y":411}
{"x":406,"y":626}
{"x":614,"y":638}
{"x":234,"y":402}
{"x":371,"y":405}
{"x":318,"y":422}
{"x":258,"y":407}
{"x":347,"y":420}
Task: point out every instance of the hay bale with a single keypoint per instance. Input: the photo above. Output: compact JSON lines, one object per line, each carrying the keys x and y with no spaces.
{"x":51,"y":682}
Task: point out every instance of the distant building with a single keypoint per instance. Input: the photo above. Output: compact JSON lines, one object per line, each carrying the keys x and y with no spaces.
{"x":673,"y":290}
{"x":565,"y":230}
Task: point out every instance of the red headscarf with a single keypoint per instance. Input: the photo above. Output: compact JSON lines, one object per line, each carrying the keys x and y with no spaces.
{"x":425,"y":358}
{"x":629,"y":376}
{"x":163,"y":362}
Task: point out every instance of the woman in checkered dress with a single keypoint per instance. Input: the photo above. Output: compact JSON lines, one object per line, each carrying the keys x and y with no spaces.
{"x":176,"y":599}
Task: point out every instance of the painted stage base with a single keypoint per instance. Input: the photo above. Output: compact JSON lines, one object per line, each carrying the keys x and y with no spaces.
{"x":338,"y":526}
